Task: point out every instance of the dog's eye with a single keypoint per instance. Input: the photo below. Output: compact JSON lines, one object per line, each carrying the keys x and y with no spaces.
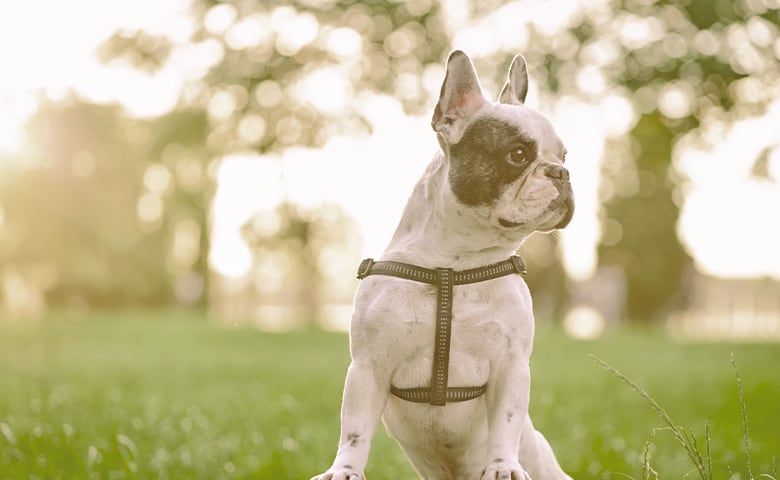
{"x":517,"y":157}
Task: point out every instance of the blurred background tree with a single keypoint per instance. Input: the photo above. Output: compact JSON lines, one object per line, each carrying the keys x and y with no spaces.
{"x":301,"y":260}
{"x":705,"y":60}
{"x":267,"y":56}
{"x":135,"y":226}
{"x":109,"y":210}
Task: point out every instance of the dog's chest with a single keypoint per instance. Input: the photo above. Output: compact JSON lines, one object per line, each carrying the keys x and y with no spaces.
{"x":489,"y":321}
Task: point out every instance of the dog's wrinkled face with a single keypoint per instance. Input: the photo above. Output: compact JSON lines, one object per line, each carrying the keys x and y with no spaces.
{"x":505,"y":159}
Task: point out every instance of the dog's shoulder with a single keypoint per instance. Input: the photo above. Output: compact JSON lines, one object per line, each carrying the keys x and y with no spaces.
{"x":386,"y":308}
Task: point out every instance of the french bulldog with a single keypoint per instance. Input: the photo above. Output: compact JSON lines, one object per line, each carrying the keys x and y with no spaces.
{"x":498,"y":178}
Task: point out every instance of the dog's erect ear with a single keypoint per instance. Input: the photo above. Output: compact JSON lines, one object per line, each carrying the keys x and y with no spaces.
{"x":460,"y":97}
{"x":516,"y":86}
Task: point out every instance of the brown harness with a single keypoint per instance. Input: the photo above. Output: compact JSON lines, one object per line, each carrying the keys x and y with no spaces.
{"x":444,"y":279}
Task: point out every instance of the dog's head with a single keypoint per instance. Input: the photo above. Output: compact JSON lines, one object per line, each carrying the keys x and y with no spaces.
{"x":505,"y":160}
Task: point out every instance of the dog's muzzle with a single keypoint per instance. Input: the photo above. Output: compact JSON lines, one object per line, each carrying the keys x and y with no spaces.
{"x":565,"y":200}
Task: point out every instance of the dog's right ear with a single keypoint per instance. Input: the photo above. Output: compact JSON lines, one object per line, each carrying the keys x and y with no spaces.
{"x":460,"y":97}
{"x":516,"y":86}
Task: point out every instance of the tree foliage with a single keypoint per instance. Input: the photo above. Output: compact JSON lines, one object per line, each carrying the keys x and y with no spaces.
{"x":70,"y":213}
{"x":271,"y":61}
{"x":265,"y":76}
{"x":108,"y":210}
{"x":709,"y":61}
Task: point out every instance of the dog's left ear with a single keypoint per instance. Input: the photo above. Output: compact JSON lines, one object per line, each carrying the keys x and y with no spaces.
{"x":460,"y":97}
{"x":516,"y":87}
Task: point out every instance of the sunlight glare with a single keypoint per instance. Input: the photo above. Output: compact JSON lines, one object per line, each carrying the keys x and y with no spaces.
{"x":219,"y":18}
{"x":591,"y":79}
{"x":221,"y":105}
{"x":585,"y":149}
{"x":733,"y":234}
{"x":140,"y":93}
{"x":194,"y":60}
{"x":506,"y":28}
{"x":618,"y":114}
{"x":14,"y":111}
{"x":676,"y":99}
{"x":728,"y":221}
{"x":397,"y":153}
{"x":69,"y":62}
{"x":584,"y":323}
{"x":297,"y":31}
{"x":248,"y":32}
{"x":327,"y":89}
{"x":344,"y":42}
{"x":229,"y":256}
{"x":636,"y":32}
{"x":246,"y":183}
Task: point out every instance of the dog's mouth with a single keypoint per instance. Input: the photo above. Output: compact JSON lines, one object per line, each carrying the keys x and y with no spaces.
{"x":507,"y":224}
{"x":564,"y":201}
{"x":568,"y":204}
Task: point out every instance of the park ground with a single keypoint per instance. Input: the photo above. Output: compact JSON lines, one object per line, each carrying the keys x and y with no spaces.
{"x":174,"y":395}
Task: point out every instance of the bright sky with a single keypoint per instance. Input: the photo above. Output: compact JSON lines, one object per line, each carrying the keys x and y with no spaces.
{"x":731,"y":220}
{"x":48,"y":45}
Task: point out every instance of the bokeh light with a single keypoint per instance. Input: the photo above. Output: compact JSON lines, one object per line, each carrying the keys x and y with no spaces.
{"x":181,"y":181}
{"x":237,"y":110}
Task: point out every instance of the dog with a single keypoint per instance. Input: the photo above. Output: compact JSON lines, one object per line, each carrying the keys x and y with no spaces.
{"x":442,"y":328}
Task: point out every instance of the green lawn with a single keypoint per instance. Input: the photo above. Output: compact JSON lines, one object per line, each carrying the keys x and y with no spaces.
{"x":170,"y":395}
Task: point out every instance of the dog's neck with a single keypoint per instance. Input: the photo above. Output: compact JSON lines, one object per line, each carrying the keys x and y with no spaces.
{"x":436,"y":232}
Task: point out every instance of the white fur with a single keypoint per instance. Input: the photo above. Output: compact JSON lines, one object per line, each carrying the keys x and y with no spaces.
{"x":392,"y":332}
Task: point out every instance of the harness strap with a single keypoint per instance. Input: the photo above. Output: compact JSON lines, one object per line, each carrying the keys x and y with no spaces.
{"x":513,"y":264}
{"x":444,"y":279}
{"x":423,"y":394}
{"x":441,"y":347}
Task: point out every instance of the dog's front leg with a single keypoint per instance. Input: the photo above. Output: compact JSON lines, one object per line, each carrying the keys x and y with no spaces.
{"x":507,"y":404}
{"x":365,"y":396}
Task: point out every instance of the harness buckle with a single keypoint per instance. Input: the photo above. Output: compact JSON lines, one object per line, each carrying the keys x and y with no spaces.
{"x":519,"y":265}
{"x":364,"y":268}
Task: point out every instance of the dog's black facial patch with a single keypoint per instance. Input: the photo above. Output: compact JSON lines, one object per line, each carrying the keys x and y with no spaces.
{"x":480,"y":169}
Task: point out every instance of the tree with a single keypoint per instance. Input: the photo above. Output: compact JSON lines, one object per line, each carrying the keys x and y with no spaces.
{"x":263,"y":76}
{"x":315,"y":245}
{"x":71,"y":219}
{"x":701,"y":64}
{"x":289,"y":73}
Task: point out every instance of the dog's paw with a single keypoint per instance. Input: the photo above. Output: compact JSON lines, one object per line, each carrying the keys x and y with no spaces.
{"x":505,"y":471}
{"x":340,"y":474}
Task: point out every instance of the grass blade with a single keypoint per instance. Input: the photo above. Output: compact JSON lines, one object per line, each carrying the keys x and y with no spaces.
{"x":679,"y":434}
{"x":707,"y":442}
{"x":744,"y":417}
{"x":646,"y":468}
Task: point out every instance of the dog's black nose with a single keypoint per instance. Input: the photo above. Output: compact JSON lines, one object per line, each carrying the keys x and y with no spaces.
{"x":557,"y":172}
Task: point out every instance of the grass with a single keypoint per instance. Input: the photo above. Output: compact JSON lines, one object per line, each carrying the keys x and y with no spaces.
{"x":171,"y":395}
{"x":702,"y":462}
